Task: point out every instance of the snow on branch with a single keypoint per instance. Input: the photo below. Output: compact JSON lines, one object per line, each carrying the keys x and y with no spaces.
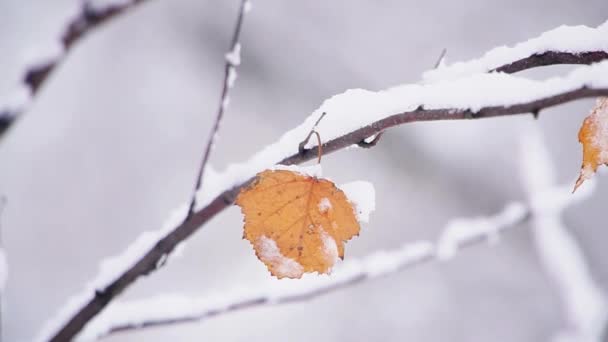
{"x":585,"y":306}
{"x":351,"y":118}
{"x":90,"y":15}
{"x":175,"y":308}
{"x":357,"y":114}
{"x":563,"y":45}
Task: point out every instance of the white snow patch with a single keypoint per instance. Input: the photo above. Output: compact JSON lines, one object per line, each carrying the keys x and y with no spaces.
{"x":234,"y":56}
{"x":324,"y":205}
{"x":42,"y":55}
{"x":232,"y":75}
{"x":269,"y":252}
{"x":329,"y":247}
{"x":564,"y":38}
{"x":15,"y":101}
{"x":463,"y":230}
{"x":386,"y":262}
{"x":369,"y":139}
{"x":363,"y":196}
{"x":137,"y":312}
{"x":247,"y":6}
{"x":225,"y":102}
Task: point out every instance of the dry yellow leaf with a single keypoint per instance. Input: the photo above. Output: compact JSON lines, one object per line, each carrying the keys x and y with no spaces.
{"x":296,"y":223}
{"x":594,"y":137}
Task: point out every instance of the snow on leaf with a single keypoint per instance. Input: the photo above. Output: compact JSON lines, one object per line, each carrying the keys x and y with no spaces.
{"x":363,"y":196}
{"x":594,"y":137}
{"x":287,"y":227}
{"x":324,"y":205}
{"x":269,"y":253}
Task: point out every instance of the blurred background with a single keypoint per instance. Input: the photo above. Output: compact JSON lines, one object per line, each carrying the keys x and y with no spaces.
{"x":113,"y":141}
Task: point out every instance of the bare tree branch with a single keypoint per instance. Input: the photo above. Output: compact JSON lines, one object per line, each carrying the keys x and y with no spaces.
{"x":87,"y":19}
{"x":149,"y":261}
{"x":232,"y":61}
{"x":553,"y":58}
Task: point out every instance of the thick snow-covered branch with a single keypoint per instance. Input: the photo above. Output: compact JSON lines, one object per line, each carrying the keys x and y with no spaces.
{"x":585,"y":306}
{"x":89,"y":16}
{"x":563,"y":45}
{"x":173,"y":309}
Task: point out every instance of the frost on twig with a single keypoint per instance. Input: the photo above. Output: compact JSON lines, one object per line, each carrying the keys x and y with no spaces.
{"x":460,"y":231}
{"x":585,"y":306}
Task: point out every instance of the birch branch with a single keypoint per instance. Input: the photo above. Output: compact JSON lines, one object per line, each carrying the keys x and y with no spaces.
{"x":353,"y":117}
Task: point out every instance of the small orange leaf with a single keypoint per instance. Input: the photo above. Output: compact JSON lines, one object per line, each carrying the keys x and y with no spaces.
{"x":594,"y":137}
{"x":296,"y":223}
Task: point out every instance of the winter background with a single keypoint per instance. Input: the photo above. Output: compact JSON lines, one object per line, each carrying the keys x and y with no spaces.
{"x":113,"y":142}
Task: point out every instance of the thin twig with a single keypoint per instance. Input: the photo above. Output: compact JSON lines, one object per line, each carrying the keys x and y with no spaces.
{"x":440,"y":58}
{"x":229,"y":69}
{"x":302,"y":145}
{"x":87,"y":19}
